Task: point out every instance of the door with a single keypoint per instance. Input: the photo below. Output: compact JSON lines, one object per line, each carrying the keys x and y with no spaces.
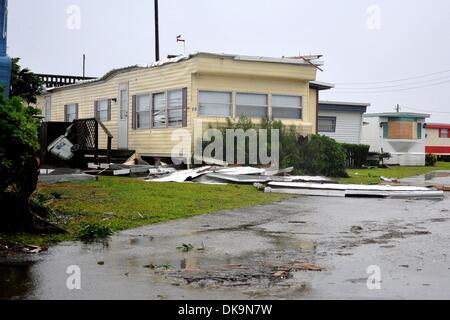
{"x":122,"y":130}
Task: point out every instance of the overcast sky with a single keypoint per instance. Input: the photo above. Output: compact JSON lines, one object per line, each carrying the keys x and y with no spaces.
{"x":366,"y":45}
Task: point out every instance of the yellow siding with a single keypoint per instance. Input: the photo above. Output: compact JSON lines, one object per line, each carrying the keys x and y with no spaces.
{"x":198,"y":73}
{"x":433,"y":140}
{"x":312,"y":109}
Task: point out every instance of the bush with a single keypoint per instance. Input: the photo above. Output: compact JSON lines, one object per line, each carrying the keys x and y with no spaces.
{"x":356,"y":154}
{"x":318,"y":156}
{"x":322,"y":155}
{"x":93,"y":231}
{"x":18,"y":163}
{"x":430,"y":160}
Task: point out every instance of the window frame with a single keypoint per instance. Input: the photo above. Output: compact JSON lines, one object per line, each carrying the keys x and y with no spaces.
{"x":152,"y":94}
{"x":66,"y":109}
{"x":286,"y":95}
{"x":168,"y":92}
{"x":149,"y":94}
{"x":231,"y":104}
{"x":236,"y":105}
{"x":97,"y":111}
{"x":47,"y":113}
{"x":441,"y":133}
{"x":334,"y":119}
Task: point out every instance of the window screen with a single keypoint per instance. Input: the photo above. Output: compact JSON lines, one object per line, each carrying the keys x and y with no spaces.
{"x":102,"y":110}
{"x":71,"y":112}
{"x":327,"y":124}
{"x":175,"y":108}
{"x":159,"y":110}
{"x":215,"y":104}
{"x":286,"y":107}
{"x":251,"y":105}
{"x":143,"y":111}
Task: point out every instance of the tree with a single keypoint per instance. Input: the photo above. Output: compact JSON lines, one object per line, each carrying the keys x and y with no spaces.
{"x":24,"y":83}
{"x":18,"y":163}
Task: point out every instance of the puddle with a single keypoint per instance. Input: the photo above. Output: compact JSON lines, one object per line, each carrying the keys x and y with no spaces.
{"x":255,"y":253}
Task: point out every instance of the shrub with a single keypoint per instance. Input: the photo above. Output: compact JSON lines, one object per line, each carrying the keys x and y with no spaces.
{"x":322,"y":155}
{"x":356,"y":154}
{"x":93,"y":231}
{"x":18,"y":163}
{"x":430,"y":160}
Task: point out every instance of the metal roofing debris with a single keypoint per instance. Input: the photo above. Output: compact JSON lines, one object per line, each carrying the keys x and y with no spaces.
{"x":241,"y":170}
{"x":241,"y":178}
{"x":183,"y":175}
{"x":275,"y":172}
{"x":353,"y":190}
{"x":317,"y":179}
{"x":221,"y":175}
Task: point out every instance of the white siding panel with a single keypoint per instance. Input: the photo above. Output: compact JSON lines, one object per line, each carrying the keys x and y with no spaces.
{"x":348,"y":126}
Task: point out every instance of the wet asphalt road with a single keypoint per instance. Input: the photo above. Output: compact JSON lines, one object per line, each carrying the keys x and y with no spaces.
{"x":257,"y":252}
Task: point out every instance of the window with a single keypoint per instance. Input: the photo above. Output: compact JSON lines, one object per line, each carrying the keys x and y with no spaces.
{"x":143,"y":112}
{"x":251,"y":105}
{"x":217,"y":104}
{"x":47,"y":109}
{"x":286,"y":107}
{"x":102,"y":110}
{"x":159,"y":110}
{"x":327,"y":124}
{"x":123,"y":104}
{"x":175,"y":108}
{"x":444,"y":133}
{"x":402,"y":129}
{"x":71,"y":112}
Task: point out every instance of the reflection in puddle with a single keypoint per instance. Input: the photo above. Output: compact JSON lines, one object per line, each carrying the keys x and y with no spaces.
{"x":17,"y":280}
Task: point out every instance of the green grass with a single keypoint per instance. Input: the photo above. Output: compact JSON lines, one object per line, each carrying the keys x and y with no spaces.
{"x":124,"y":203}
{"x":368,"y":176}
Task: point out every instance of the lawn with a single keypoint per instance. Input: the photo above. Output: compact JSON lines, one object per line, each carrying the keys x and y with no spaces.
{"x":367,"y":176}
{"x":124,"y":203}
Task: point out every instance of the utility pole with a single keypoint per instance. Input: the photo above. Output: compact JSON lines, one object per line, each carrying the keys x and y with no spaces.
{"x":84,"y":66}
{"x":156,"y":31}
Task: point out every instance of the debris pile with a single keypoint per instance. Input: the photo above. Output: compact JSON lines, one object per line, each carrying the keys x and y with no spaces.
{"x":237,"y":175}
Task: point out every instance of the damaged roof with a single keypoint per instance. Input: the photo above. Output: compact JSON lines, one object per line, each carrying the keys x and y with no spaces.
{"x":311,"y":60}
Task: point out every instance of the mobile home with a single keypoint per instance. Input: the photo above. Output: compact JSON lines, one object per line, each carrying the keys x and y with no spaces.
{"x":142,"y":107}
{"x":341,"y":121}
{"x":438,"y":139}
{"x":401,"y":134}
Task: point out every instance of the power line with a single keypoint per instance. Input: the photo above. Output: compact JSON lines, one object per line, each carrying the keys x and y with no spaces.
{"x":395,"y":90}
{"x":391,"y":81}
{"x":393,"y":86}
{"x":424,"y":110}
